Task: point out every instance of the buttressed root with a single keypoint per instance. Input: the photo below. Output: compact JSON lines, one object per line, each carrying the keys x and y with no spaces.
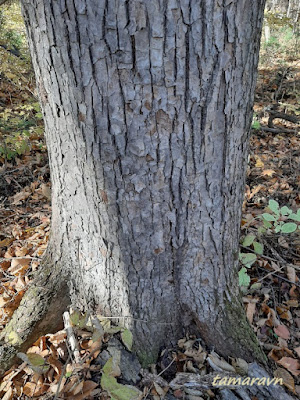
{"x":39,"y":312}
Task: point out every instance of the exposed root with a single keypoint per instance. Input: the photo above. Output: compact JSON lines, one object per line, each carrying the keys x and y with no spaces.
{"x":40,"y":312}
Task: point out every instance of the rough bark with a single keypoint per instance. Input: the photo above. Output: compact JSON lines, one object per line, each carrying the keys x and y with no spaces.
{"x":147,"y":106}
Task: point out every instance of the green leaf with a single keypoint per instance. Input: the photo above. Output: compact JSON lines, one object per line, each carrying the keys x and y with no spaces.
{"x":295,"y":217}
{"x":127,"y":392}
{"x":109,"y":383}
{"x":127,"y":339}
{"x":74,"y":317}
{"x":258,"y":248}
{"x":262,"y":229}
{"x":108,"y":367}
{"x":79,"y":319}
{"x":113,"y":329}
{"x":285,"y":210}
{"x":274,"y":206}
{"x":244,"y":278}
{"x":35,"y":361}
{"x":118,"y":391}
{"x":83,"y":319}
{"x":248,"y":240}
{"x":256,"y":286}
{"x":269,"y":217}
{"x":278,"y":228}
{"x":255,"y":124}
{"x":289,"y":227}
{"x":111,"y":366}
{"x":247,"y":259}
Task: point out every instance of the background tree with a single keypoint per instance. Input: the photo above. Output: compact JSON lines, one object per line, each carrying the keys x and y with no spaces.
{"x":147,"y":107}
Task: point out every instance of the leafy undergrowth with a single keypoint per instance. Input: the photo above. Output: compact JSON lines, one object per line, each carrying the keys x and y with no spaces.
{"x":101,"y":364}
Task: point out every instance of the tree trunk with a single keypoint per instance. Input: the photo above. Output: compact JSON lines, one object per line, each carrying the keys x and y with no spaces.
{"x":147,"y":107}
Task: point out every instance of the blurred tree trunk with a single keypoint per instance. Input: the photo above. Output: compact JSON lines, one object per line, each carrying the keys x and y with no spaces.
{"x":148,"y":106}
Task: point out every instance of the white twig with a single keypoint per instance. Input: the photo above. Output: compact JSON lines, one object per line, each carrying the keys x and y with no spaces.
{"x":71,"y":337}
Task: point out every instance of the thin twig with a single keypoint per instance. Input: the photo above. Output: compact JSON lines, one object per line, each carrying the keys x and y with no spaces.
{"x":167,"y":367}
{"x":61,"y":377}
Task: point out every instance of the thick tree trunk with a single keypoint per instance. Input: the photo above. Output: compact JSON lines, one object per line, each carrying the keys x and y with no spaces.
{"x":147,"y":107}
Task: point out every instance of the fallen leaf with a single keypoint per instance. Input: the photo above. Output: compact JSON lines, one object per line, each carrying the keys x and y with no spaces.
{"x":33,"y":390}
{"x":18,"y":197}
{"x":251,"y":311}
{"x":268,"y":172}
{"x":297,"y":350}
{"x":282,"y":331}
{"x":259,"y":163}
{"x":291,"y":364}
{"x":291,"y":273}
{"x":127,"y":339}
{"x":286,"y":377}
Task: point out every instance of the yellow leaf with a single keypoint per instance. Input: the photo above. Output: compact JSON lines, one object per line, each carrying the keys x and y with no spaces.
{"x":259,"y":163}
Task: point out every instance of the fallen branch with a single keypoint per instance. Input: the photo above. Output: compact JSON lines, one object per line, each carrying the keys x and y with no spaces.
{"x":277,"y":130}
{"x":274,"y":115}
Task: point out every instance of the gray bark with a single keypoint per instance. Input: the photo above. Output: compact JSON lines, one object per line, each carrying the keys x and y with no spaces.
{"x":147,"y":106}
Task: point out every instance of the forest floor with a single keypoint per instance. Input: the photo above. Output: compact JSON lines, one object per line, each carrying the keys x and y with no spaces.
{"x":269,"y":271}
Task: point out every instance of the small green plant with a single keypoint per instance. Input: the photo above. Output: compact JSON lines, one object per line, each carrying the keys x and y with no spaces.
{"x":255,"y":123}
{"x":279,"y":218}
{"x":248,"y":259}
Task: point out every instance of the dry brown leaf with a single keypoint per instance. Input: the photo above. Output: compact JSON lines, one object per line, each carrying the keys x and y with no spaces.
{"x":293,"y":303}
{"x":283,"y":243}
{"x":46,"y":190}
{"x":88,"y":387}
{"x":282,"y":331}
{"x":21,"y":251}
{"x":291,"y":273}
{"x":268,"y":172}
{"x":78,"y":388}
{"x":160,"y":391}
{"x":297,"y":350}
{"x":34,"y":390}
{"x":6,"y":242}
{"x":251,"y":311}
{"x":286,"y":377}
{"x":219,"y":363}
{"x":57,"y":338}
{"x":18,"y":197}
{"x":55,"y":386}
{"x":291,"y":364}
{"x":277,"y":354}
{"x":56,"y":364}
{"x":197,"y":355}
{"x":254,"y":191}
{"x":18,"y":267}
